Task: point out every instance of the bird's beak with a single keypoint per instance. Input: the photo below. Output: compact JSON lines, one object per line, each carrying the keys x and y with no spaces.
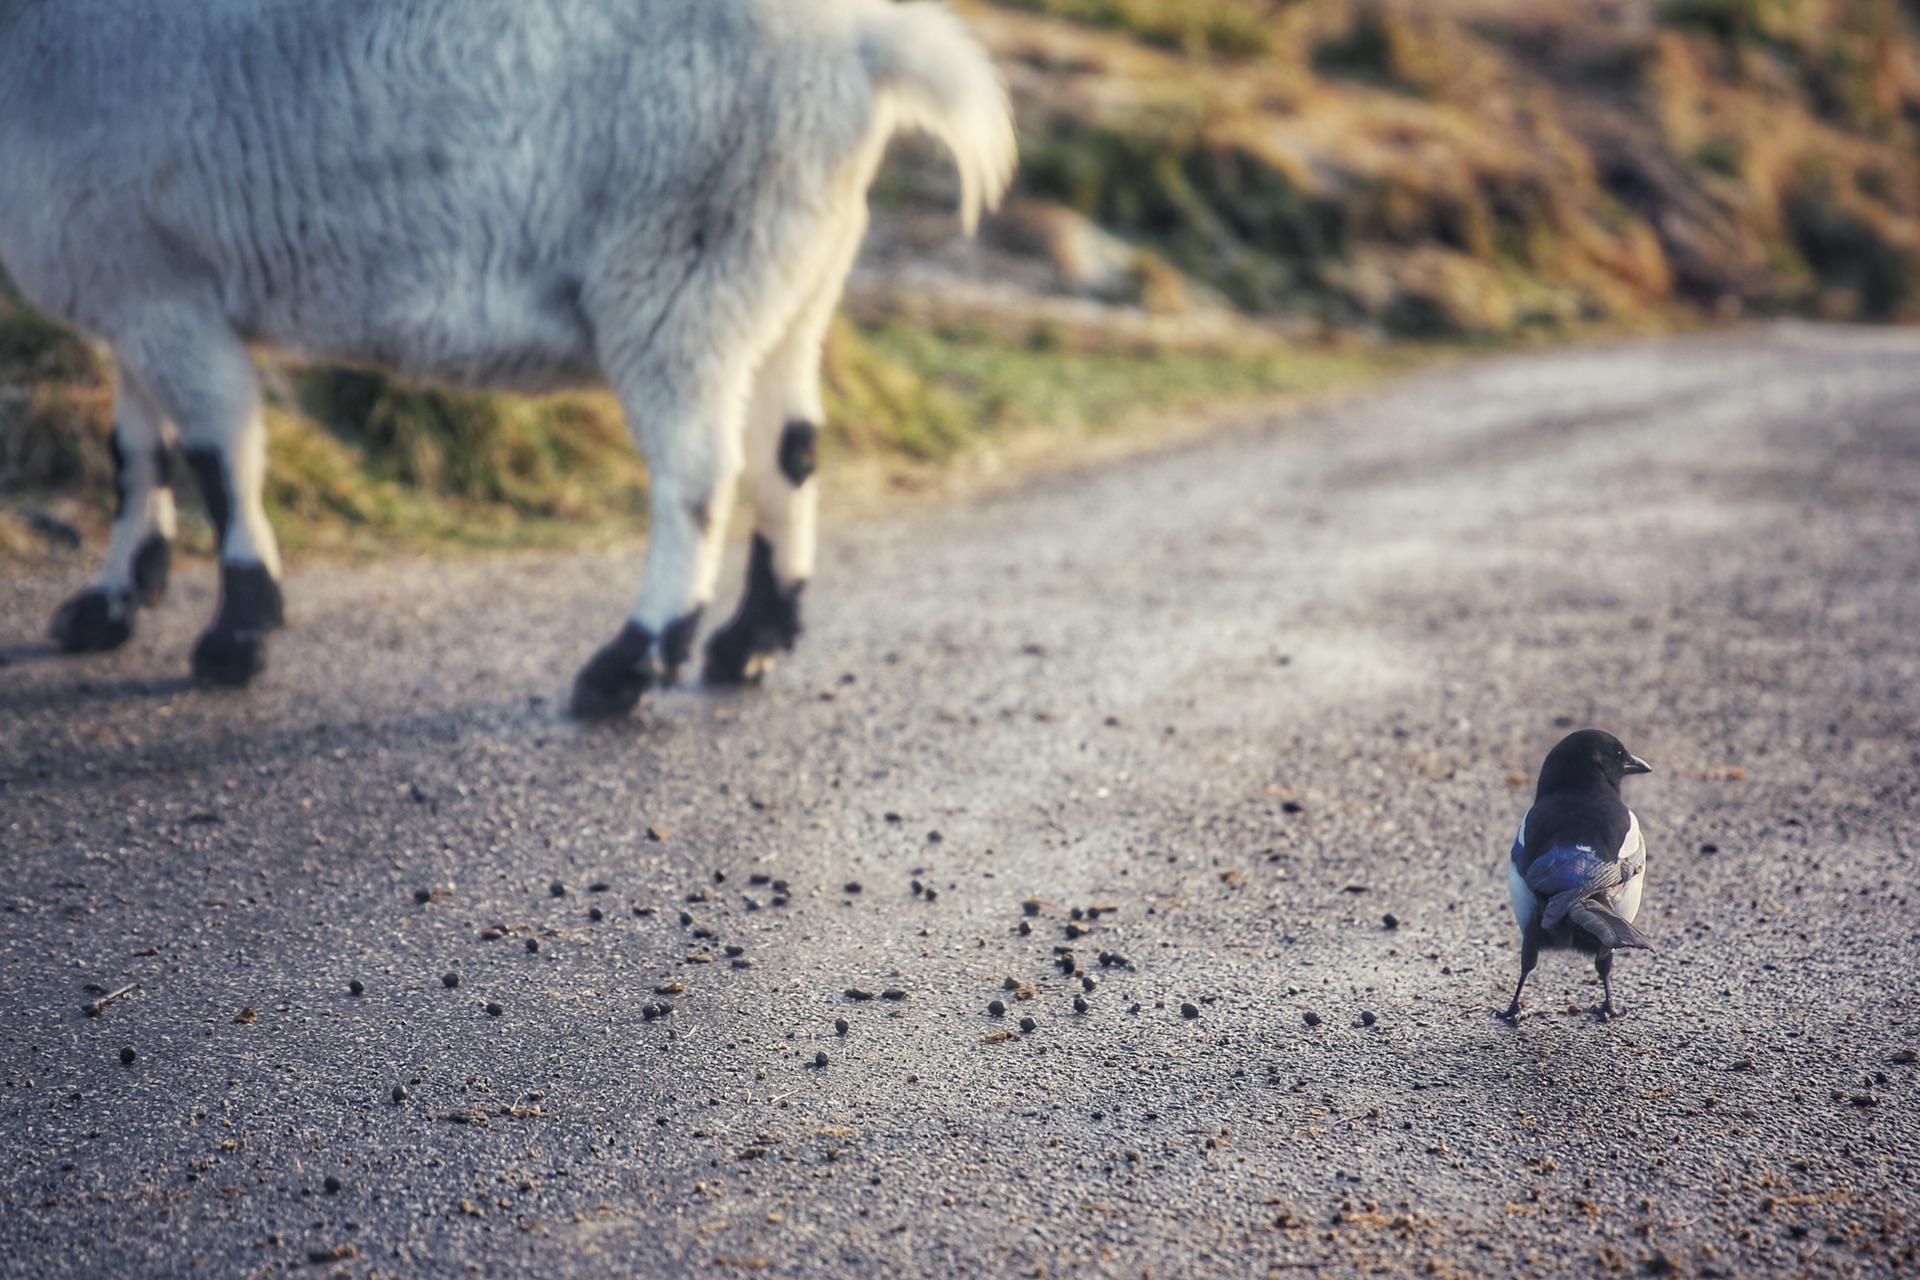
{"x":1636,"y":765}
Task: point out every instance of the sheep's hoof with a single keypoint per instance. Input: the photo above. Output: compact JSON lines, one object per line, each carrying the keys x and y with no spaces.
{"x":768,"y":623}
{"x":151,"y":565}
{"x":610,"y":685}
{"x":85,"y":624}
{"x":234,"y":649}
{"x":230,"y":658}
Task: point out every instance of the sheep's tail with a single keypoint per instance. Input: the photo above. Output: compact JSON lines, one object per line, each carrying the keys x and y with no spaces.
{"x":933,"y":74}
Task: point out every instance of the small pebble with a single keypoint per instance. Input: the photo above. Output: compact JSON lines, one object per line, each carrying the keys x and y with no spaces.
{"x":533,"y":944}
{"x":719,"y":877}
{"x":1031,"y":906}
{"x":996,"y":1007}
{"x":1028,"y":1024}
{"x":494,"y":1009}
{"x":1390,"y":920}
{"x":893,"y":993}
{"x":853,"y":886}
{"x":932,"y":894}
{"x":1311,"y":1018}
{"x":1367,"y":1019}
{"x":859,"y":993}
{"x":1075,"y":931}
{"x":598,"y":886}
{"x":742,"y":962}
{"x":1134,"y":1008}
{"x":1709,"y":848}
{"x":685,"y":919}
{"x":1189,"y":1010}
{"x":557,"y":889}
{"x":128,"y":1055}
{"x":423,"y":895}
{"x":449,"y":980}
{"x":735,"y":949}
{"x":593,"y":913}
{"x":841,"y":1025}
{"x":1087,"y":983}
{"x":820,"y":1058}
{"x":399,"y":1094}
{"x":1079,"y":1004}
{"x":759,"y":877}
{"x":646,"y":911}
{"x":332,"y":1185}
{"x":357,"y":987}
{"x":1025,"y":928}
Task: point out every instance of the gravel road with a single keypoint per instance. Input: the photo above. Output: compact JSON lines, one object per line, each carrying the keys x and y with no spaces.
{"x":1263,"y":711}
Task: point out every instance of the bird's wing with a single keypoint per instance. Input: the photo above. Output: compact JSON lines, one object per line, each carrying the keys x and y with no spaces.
{"x":1566,"y":874}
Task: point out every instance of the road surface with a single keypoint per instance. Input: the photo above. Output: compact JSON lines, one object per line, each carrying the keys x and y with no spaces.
{"x":1272,"y":703}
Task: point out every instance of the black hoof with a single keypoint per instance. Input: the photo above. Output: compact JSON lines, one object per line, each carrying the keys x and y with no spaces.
{"x":150,"y":568}
{"x":611,"y":684}
{"x":234,"y":649}
{"x":85,"y":624}
{"x":230,"y":658}
{"x":768,"y":623}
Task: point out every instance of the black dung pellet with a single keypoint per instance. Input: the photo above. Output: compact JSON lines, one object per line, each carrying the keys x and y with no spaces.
{"x":932,"y":894}
{"x":557,"y":889}
{"x":1028,"y":1024}
{"x":1311,"y":1018}
{"x":1390,"y":920}
{"x":685,"y":919}
{"x":853,"y":886}
{"x":1025,"y":928}
{"x":495,"y":1009}
{"x":533,"y":944}
{"x":127,"y":1056}
{"x":593,"y":913}
{"x":1079,"y":1004}
{"x":841,"y":1025}
{"x":449,"y":980}
{"x":399,"y":1094}
{"x":357,"y":987}
{"x":820,"y":1058}
{"x":423,"y":895}
{"x":735,"y":949}
{"x":598,"y":886}
{"x":1367,"y":1019}
{"x":332,"y":1185}
{"x":1087,"y":984}
{"x":719,"y":877}
{"x":1189,"y":1010}
{"x":996,"y":1007}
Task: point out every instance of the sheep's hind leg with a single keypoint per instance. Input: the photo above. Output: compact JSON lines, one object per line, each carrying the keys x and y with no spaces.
{"x":684,"y":404}
{"x":141,"y":549}
{"x":783,"y":425}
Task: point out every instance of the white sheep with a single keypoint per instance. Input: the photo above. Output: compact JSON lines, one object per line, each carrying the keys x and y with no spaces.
{"x":661,"y":195}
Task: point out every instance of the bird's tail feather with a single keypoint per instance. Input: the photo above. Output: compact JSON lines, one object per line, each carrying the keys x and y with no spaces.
{"x":1610,"y":929}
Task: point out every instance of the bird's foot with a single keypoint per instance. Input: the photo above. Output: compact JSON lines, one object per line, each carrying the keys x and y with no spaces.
{"x":1510,"y":1014}
{"x":1607,"y":1012}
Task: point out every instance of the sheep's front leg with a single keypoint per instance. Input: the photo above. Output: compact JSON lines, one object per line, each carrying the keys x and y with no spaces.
{"x":141,"y":549}
{"x":201,"y":376}
{"x":695,"y":465}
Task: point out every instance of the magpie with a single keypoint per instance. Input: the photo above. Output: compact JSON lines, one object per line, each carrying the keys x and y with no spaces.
{"x":1579,"y":863}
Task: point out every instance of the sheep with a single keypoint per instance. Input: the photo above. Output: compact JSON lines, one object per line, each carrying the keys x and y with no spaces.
{"x":662,"y":196}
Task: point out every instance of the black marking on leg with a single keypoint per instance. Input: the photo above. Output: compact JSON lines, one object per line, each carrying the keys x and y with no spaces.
{"x":86,"y":623}
{"x":151,"y":564}
{"x":611,"y":683}
{"x":676,"y":642}
{"x":121,"y":497}
{"x":233,"y":650}
{"x":768,"y":622}
{"x":209,"y":468}
{"x":798,"y":451}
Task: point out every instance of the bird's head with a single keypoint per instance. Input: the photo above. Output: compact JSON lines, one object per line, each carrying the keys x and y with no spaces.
{"x":1582,"y":757}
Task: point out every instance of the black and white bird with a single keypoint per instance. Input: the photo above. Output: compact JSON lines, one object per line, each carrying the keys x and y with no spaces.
{"x":1579,"y":863}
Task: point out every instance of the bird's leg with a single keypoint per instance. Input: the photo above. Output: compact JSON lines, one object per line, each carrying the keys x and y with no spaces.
{"x":1603,"y":965}
{"x":1529,"y":956}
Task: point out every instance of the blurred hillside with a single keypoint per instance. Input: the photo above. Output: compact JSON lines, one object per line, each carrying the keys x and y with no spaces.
{"x":1217,"y":199}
